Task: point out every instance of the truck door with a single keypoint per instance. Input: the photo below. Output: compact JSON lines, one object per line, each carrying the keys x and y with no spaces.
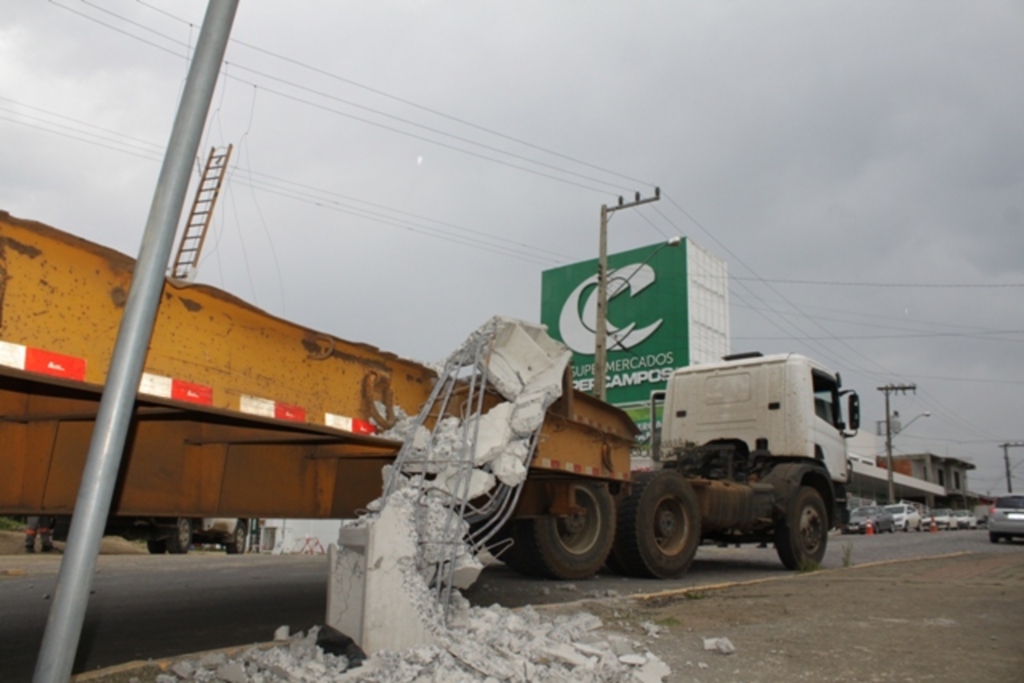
{"x":827,"y":425}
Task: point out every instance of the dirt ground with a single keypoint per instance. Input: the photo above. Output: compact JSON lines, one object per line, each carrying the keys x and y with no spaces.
{"x":957,"y":618}
{"x":13,"y":543}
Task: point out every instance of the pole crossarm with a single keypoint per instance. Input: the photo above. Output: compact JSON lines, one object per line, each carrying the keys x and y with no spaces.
{"x":601,"y":331}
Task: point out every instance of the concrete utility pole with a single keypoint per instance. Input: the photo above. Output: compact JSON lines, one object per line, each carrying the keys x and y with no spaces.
{"x":1006,"y":457}
{"x":601,"y":333}
{"x":64,"y":625}
{"x":889,"y":389}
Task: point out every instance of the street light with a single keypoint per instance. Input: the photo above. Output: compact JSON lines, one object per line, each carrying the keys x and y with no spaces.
{"x":901,"y":428}
{"x":601,"y":325}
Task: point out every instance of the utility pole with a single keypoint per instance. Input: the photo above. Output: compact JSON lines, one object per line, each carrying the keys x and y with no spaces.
{"x":601,"y":333}
{"x":890,"y":389}
{"x":1006,"y":457}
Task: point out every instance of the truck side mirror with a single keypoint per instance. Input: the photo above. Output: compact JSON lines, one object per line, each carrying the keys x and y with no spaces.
{"x":853,"y":410}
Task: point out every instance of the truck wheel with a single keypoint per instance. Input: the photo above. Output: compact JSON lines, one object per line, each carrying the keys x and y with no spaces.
{"x":236,"y":544}
{"x":157,"y":546}
{"x":801,"y":538}
{"x":659,"y":526}
{"x":180,"y":540}
{"x":573,"y":547}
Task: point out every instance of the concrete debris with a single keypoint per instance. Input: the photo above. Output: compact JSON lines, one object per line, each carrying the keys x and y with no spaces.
{"x":282,"y":633}
{"x":184,"y":669}
{"x":487,"y":644}
{"x":653,"y":671}
{"x":232,"y":672}
{"x":651,"y":629}
{"x":394,"y":580}
{"x":721,"y":645}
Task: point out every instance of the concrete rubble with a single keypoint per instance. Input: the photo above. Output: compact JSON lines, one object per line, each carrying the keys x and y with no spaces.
{"x":385,"y":576}
{"x":490,"y":645}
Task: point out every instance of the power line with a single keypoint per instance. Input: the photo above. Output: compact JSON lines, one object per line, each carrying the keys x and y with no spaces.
{"x":416,"y":105}
{"x":381,"y":113}
{"x":889,"y":285}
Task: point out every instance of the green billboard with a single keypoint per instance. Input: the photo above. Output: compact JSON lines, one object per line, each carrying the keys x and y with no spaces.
{"x":648,"y":318}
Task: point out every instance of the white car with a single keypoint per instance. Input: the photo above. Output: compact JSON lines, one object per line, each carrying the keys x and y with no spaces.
{"x":943,"y":518}
{"x":963,"y":519}
{"x":906,"y":516}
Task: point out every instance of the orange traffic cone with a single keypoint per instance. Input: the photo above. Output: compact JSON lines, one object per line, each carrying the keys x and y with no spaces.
{"x":869,"y":528}
{"x":934,"y":528}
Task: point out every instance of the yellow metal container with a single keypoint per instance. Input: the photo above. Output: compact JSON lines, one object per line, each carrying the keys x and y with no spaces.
{"x":240,"y":413}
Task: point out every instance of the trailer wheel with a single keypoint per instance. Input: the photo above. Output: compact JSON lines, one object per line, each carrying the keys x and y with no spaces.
{"x":659,"y":526}
{"x":180,"y":540}
{"x":802,"y":537}
{"x":236,"y":544}
{"x":573,"y":547}
{"x":157,"y":546}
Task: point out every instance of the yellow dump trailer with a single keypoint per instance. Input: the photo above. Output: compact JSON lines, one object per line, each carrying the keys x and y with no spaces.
{"x":239,"y":413}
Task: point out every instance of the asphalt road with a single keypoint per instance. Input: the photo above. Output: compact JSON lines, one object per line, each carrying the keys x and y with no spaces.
{"x":158,"y":606}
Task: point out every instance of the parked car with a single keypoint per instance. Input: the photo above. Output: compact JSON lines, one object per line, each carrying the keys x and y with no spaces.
{"x":943,"y":518}
{"x":1006,"y":518}
{"x":906,"y":517}
{"x":964,"y":519}
{"x":880,"y":518}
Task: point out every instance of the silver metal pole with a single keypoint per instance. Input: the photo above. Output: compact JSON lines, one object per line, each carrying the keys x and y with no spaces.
{"x":64,"y":625}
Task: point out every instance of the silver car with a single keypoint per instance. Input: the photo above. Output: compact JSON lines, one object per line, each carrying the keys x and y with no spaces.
{"x":905,"y":516}
{"x":1006,"y":518}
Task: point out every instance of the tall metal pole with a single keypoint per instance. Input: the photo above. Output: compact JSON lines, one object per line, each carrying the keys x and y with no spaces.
{"x":601,"y":325}
{"x":1006,"y":458}
{"x":64,"y":625}
{"x":889,"y":389}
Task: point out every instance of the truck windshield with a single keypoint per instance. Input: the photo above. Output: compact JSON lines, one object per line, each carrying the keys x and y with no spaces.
{"x":826,"y":399}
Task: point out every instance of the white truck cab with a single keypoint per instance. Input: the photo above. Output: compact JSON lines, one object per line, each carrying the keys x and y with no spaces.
{"x":782,"y":404}
{"x":751,"y":449}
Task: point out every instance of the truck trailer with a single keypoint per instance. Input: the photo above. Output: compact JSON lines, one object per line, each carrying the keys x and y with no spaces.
{"x":241,"y":414}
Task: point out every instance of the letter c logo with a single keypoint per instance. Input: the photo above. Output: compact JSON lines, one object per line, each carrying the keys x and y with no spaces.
{"x":576,"y":324}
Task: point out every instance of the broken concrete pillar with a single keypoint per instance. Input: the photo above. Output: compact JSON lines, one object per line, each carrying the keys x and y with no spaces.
{"x":368,"y":595}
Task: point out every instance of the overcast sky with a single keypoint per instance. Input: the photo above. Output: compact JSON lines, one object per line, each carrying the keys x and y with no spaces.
{"x":405,"y":170}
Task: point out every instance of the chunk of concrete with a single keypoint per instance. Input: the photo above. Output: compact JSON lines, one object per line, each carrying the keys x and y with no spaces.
{"x":368,"y":597}
{"x":232,"y":672}
{"x":722,"y":645}
{"x":493,"y":431}
{"x":528,"y":415}
{"x":654,"y":671}
{"x":524,"y":356}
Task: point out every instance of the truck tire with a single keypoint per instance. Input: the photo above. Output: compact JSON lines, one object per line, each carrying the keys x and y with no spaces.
{"x":236,"y":544}
{"x":801,"y":539}
{"x":658,"y":527}
{"x":572,"y":548}
{"x":180,"y":540}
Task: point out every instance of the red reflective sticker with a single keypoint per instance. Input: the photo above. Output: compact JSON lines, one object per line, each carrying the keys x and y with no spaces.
{"x":283,"y":411}
{"x":193,"y":393}
{"x":55,"y":364}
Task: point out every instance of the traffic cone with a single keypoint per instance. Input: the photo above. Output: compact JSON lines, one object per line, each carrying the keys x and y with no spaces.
{"x":869,"y":528}
{"x":933,"y":527}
